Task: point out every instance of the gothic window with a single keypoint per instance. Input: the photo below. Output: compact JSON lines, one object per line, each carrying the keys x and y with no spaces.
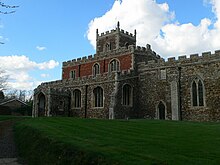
{"x":108,"y":46}
{"x":200,"y":93}
{"x":61,"y":106}
{"x":114,"y":65}
{"x":127,"y":95}
{"x":96,"y":69}
{"x":161,"y":111}
{"x":197,"y":93}
{"x":126,"y":45}
{"x":72,"y":74}
{"x":77,"y":98}
{"x":194,"y":93}
{"x":98,"y":97}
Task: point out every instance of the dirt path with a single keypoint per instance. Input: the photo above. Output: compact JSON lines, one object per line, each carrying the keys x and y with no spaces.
{"x":8,"y":153}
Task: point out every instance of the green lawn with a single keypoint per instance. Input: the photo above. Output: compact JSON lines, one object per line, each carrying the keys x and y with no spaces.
{"x":71,"y":141}
{"x":7,"y":117}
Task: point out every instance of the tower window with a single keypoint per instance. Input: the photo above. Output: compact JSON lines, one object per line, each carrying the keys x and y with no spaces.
{"x":96,"y":69}
{"x":114,"y":65}
{"x":108,"y":46}
{"x":197,"y":93}
{"x":98,"y":97}
{"x":126,"y":45}
{"x":73,"y":74}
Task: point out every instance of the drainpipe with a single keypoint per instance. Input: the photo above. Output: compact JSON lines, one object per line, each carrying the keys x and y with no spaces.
{"x":69,"y":105}
{"x":180,"y":94}
{"x":86,"y":101}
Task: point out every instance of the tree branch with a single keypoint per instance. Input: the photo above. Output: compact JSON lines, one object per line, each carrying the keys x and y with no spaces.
{"x":7,"y":6}
{"x":2,"y":5}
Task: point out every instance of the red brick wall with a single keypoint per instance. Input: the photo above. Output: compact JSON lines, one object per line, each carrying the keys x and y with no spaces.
{"x":66,"y":71}
{"x":86,"y":69}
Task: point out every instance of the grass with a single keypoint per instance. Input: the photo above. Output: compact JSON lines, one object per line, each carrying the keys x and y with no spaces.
{"x":8,"y":117}
{"x":90,"y":141}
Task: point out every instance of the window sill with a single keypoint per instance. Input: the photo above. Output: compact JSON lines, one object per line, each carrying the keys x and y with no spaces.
{"x":77,"y":108}
{"x":97,"y":107}
{"x":128,"y":106}
{"x":198,"y":107}
{"x":96,"y":76}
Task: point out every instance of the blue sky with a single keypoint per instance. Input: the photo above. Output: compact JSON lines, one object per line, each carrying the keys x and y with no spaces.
{"x":42,"y":34}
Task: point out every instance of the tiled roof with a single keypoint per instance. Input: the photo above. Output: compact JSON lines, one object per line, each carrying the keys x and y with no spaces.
{"x":4,"y":101}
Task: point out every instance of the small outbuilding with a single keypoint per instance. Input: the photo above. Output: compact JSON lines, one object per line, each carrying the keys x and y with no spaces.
{"x":9,"y":105}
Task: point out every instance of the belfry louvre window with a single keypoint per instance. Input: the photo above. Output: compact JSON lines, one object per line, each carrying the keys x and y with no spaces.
{"x":98,"y":97}
{"x":76,"y":98}
{"x":96,"y":69}
{"x":72,"y":74}
{"x":114,"y":65}
{"x":197,"y":93}
{"x":127,"y":95}
{"x":108,"y":46}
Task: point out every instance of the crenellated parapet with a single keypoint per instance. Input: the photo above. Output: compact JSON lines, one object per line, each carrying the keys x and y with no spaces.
{"x":123,"y":50}
{"x":121,"y":31}
{"x":114,"y":31}
{"x":192,"y":59}
{"x":146,"y":51}
{"x":85,"y":80}
{"x":95,"y":57}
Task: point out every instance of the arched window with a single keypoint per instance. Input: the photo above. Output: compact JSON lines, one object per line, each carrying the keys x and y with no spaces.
{"x":41,"y":104}
{"x":108,"y":46}
{"x":161,"y":111}
{"x":126,"y":45}
{"x":98,"y":97}
{"x":197,"y":92}
{"x":114,"y":65}
{"x":96,"y":69}
{"x":127,"y":95}
{"x":76,"y":98}
{"x":73,"y":74}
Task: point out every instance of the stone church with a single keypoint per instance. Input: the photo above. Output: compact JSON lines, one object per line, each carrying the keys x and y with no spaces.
{"x":124,"y":81}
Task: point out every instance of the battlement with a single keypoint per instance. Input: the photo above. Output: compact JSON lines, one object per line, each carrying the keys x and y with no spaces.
{"x":127,"y":33}
{"x":182,"y":60}
{"x":121,"y":31}
{"x":87,"y":79}
{"x":122,"y":50}
{"x":116,"y":30}
{"x":96,"y":57}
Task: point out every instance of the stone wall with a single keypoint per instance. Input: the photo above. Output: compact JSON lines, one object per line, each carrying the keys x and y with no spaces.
{"x":156,"y":79}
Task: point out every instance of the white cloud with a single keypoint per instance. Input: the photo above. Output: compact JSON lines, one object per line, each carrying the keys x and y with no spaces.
{"x":18,"y":69}
{"x":155,"y":25}
{"x":45,"y":75}
{"x":23,"y":63}
{"x":132,"y":14}
{"x":47,"y":65}
{"x":41,"y":48}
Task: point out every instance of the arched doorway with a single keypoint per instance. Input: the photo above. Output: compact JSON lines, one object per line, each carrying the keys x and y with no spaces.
{"x":41,"y":104}
{"x":161,"y":111}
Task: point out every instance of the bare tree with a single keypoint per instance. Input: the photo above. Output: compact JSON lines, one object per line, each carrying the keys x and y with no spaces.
{"x":11,"y":94}
{"x":23,"y":95}
{"x":3,"y":80}
{"x":7,"y":9}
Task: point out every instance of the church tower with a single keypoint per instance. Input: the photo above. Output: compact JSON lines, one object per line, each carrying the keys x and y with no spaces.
{"x":114,"y":39}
